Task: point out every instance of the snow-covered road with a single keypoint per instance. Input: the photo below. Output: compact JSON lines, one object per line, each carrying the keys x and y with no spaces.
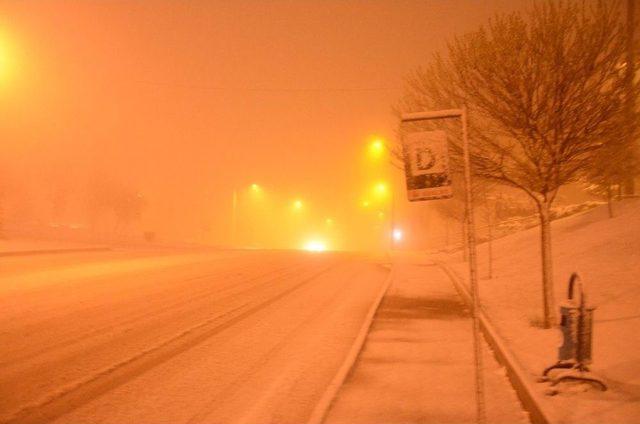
{"x":216,"y":337}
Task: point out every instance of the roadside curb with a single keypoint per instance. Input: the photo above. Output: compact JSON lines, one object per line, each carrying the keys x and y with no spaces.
{"x":53,"y":251}
{"x":322,"y":407}
{"x":526,"y":391}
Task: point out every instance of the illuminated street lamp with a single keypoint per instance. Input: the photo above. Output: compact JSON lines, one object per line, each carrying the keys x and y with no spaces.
{"x":377,"y":148}
{"x":7,"y":59}
{"x":381,"y":189}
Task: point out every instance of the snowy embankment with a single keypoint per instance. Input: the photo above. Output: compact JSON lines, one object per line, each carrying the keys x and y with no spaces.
{"x":606,"y":253}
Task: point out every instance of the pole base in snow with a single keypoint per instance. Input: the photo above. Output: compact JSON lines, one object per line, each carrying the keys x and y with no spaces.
{"x":574,"y":372}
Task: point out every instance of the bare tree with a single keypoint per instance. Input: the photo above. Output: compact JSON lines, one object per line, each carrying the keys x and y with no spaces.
{"x":112,"y":206}
{"x":612,"y":167}
{"x":631,"y":166}
{"x":544,"y":89}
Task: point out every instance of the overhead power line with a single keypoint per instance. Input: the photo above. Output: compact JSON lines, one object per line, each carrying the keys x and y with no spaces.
{"x":268,"y":89}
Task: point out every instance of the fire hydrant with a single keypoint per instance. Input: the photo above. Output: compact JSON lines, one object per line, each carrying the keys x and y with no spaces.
{"x":576,"y":325}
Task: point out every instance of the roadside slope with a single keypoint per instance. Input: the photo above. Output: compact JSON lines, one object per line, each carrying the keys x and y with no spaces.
{"x":606,"y":253}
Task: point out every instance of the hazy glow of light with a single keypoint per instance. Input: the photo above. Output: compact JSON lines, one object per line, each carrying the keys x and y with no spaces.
{"x":298,"y":205}
{"x":380,"y":215}
{"x":329,"y":222}
{"x":7,"y":58}
{"x":315,"y":246}
{"x":380,"y":189}
{"x":376,"y":147}
{"x":397,"y":234}
{"x":255,"y":188}
{"x":365,"y":203}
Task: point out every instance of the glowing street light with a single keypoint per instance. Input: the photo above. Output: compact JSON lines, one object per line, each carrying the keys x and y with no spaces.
{"x":377,"y":147}
{"x":7,"y":58}
{"x":397,"y":235}
{"x":256,"y":188}
{"x":381,"y":189}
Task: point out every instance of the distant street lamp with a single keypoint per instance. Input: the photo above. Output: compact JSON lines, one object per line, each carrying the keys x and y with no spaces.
{"x":381,"y":190}
{"x":7,"y":60}
{"x":377,"y":149}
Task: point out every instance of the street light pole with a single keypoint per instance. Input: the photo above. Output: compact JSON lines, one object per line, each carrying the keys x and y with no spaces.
{"x":234,"y":217}
{"x":392,"y":240}
{"x":473,"y":269}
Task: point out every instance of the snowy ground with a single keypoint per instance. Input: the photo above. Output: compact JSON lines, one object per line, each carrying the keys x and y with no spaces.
{"x":606,"y":253}
{"x":12,"y":246}
{"x":417,"y":364}
{"x":225,"y":337}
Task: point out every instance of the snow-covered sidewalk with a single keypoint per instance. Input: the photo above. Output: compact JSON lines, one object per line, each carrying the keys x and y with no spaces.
{"x":417,"y":362}
{"x":606,"y":253}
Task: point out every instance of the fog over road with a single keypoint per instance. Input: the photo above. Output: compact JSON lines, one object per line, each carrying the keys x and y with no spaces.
{"x":165,"y":337}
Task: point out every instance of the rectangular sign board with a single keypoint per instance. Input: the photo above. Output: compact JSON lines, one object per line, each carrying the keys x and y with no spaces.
{"x":426,"y":166}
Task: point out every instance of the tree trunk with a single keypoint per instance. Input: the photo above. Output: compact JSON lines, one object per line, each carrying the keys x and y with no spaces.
{"x":547,"y":266}
{"x":446,"y":235}
{"x":630,"y":76}
{"x":490,"y":244}
{"x":465,"y":245}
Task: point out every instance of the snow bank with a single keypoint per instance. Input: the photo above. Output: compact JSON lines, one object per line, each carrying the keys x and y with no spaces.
{"x":606,"y":253}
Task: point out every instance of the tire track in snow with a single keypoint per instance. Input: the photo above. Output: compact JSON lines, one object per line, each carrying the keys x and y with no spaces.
{"x":191,"y":298}
{"x":285,"y":340}
{"x":76,"y":394}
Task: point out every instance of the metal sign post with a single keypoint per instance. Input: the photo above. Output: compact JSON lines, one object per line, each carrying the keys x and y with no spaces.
{"x":471,"y":233}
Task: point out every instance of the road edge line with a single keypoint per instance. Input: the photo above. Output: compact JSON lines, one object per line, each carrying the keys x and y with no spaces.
{"x":530,"y":400}
{"x":322,"y":407}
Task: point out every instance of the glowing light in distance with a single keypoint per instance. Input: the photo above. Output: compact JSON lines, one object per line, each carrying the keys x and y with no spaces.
{"x":255,"y":188}
{"x":329,"y":222}
{"x":315,"y":246}
{"x":397,"y":234}
{"x":297,"y":204}
{"x":380,"y":215}
{"x":380,"y":189}
{"x":376,"y":147}
{"x":365,"y":203}
{"x":7,"y":58}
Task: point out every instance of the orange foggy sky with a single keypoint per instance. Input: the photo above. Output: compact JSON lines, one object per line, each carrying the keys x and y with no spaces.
{"x":188,"y":99}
